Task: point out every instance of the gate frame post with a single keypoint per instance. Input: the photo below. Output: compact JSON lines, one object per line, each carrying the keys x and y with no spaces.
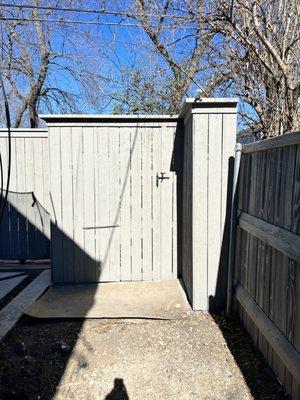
{"x":209,"y":145}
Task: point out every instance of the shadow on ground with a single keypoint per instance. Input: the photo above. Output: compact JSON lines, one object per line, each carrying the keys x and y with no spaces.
{"x":259,"y":377}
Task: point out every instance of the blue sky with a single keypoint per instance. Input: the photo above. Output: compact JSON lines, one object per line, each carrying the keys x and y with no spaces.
{"x":112,"y":50}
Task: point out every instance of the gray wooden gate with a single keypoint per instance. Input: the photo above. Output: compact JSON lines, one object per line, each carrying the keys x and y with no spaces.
{"x":113,"y":198}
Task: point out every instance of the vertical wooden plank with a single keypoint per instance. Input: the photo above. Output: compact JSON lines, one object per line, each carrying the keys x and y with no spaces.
{"x":14,"y":200}
{"x":56,"y":205}
{"x":89,"y":208}
{"x":97,"y":204}
{"x":67,"y":204}
{"x":156,"y":209}
{"x":189,"y":215}
{"x":190,"y":212}
{"x":136,"y":216}
{"x":30,"y":222}
{"x":295,"y":320}
{"x":40,"y":244}
{"x":252,"y":264}
{"x":293,"y":315}
{"x":22,"y":206}
{"x":165,"y":187}
{"x":146,"y":204}
{"x":78,"y":204}
{"x":175,"y":272}
{"x":200,"y":172}
{"x":38,"y":169}
{"x":114,"y":203}
{"x":287,"y":294}
{"x":103,"y":234}
{"x":125,"y":171}
{"x":214,"y":201}
{"x":46,"y":174}
{"x":5,"y":229}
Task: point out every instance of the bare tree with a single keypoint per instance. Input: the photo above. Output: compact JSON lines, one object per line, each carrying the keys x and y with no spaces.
{"x":48,"y":67}
{"x":262,"y":39}
{"x":181,"y":33}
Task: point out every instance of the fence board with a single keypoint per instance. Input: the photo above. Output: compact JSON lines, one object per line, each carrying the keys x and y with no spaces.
{"x":103,"y":235}
{"x":156,"y":202}
{"x":269,"y":215}
{"x":281,"y":239}
{"x":78,"y":203}
{"x":25,"y":228}
{"x":122,"y":208}
{"x":166,"y":196}
{"x":56,"y":206}
{"x":67,"y":198}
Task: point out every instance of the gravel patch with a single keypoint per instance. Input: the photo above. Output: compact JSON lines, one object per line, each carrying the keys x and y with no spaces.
{"x":191,"y":358}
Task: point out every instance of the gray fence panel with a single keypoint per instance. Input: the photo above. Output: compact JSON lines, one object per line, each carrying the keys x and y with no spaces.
{"x":25,"y":230}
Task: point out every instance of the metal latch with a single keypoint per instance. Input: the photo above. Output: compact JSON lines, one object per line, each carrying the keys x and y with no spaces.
{"x":161,"y":177}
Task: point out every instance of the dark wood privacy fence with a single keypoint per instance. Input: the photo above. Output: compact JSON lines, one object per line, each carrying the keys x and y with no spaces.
{"x":267,"y":271}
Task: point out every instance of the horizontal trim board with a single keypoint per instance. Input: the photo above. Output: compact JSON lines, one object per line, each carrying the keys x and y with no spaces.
{"x":213,"y":103}
{"x":24,"y":130}
{"x":25,"y":135}
{"x":282,"y":347}
{"x":10,"y":314}
{"x":73,"y":118}
{"x":289,"y":139}
{"x":215,"y":110}
{"x":279,"y":238}
{"x":9,"y":284}
{"x":110,"y":125}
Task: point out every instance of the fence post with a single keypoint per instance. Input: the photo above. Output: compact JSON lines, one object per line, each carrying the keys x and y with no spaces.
{"x":209,"y":140}
{"x":233,"y":222}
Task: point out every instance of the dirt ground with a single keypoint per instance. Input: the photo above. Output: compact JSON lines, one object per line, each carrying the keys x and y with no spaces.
{"x":198,"y":357}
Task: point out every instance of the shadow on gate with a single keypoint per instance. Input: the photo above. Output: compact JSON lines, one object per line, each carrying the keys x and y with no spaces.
{"x":35,"y":369}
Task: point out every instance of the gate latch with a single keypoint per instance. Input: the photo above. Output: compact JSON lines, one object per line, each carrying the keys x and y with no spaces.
{"x":161,"y":177}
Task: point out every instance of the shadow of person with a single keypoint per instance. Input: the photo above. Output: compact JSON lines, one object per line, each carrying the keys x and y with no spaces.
{"x":119,"y":391}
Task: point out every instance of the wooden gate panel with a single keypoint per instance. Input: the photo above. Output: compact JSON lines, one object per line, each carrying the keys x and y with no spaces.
{"x":111,"y":220}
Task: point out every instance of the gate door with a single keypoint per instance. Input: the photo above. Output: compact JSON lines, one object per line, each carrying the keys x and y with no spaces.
{"x":114,"y":202}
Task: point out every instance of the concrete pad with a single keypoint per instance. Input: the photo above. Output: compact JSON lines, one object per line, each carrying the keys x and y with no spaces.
{"x":157,"y":300}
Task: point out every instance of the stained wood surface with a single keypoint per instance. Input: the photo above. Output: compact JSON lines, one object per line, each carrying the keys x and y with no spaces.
{"x":280,"y":344}
{"x":289,"y":139}
{"x":280,"y":239}
{"x":267,"y":247}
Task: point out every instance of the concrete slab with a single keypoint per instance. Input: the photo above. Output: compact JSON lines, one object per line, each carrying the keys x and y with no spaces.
{"x":156,"y":300}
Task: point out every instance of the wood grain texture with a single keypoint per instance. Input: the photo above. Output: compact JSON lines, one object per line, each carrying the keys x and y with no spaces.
{"x":274,"y":336}
{"x":111,"y":220}
{"x":281,"y":239}
{"x":273,"y":143}
{"x":209,"y":140}
{"x":267,"y":263}
{"x":25,"y":231}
